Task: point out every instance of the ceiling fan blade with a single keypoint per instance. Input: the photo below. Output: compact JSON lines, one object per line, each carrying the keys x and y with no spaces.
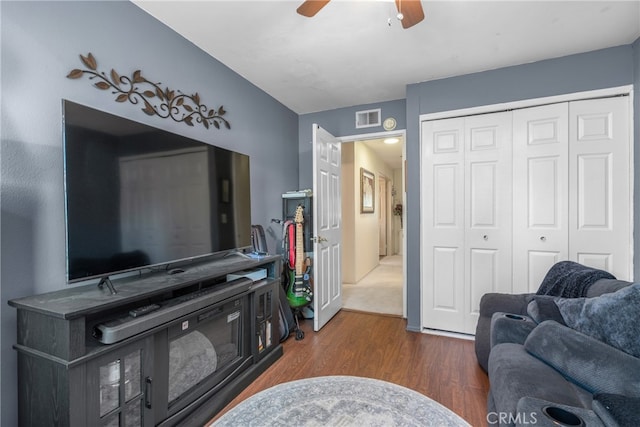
{"x":310,"y":7}
{"x":412,"y":11}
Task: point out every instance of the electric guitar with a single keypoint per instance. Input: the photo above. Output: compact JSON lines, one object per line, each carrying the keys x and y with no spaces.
{"x":299,"y":292}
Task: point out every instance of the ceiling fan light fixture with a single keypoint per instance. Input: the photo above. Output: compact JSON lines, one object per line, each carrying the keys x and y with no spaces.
{"x":409,"y":13}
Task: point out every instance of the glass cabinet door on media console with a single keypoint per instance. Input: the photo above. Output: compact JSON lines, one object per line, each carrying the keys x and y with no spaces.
{"x":119,"y":387}
{"x":264,"y":310}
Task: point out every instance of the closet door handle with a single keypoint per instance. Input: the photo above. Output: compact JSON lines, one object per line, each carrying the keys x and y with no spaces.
{"x":543,"y":239}
{"x":485,"y":237}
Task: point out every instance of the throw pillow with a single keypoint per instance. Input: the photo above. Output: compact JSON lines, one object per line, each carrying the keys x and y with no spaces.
{"x":543,"y":308}
{"x":610,"y":318}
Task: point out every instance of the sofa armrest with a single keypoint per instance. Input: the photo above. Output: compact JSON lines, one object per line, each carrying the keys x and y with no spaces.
{"x":617,"y":410}
{"x":506,"y":303}
{"x":544,"y":413}
{"x":493,"y":303}
{"x":592,"y":364}
{"x":510,"y":328}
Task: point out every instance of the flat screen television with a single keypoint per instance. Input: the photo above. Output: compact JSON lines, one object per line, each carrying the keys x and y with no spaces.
{"x":138,"y":197}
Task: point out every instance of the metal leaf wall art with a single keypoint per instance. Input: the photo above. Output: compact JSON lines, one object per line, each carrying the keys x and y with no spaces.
{"x":165,"y":103}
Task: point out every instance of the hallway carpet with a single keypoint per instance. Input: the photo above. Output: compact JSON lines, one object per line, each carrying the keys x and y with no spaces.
{"x":380,"y":291}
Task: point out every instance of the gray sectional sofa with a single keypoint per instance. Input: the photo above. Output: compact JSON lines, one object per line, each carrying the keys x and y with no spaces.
{"x":571,"y":358}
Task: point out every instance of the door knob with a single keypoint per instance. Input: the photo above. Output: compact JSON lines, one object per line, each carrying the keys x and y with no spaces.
{"x":543,"y":239}
{"x":485,"y":237}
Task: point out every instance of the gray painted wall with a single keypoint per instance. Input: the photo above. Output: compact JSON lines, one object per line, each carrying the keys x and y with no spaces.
{"x":41,"y":42}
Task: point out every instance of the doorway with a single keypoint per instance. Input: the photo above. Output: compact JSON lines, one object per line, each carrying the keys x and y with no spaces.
{"x":372,"y":263}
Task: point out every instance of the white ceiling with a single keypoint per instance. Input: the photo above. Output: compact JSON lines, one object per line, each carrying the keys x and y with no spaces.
{"x":391,"y":154}
{"x":348,"y":54}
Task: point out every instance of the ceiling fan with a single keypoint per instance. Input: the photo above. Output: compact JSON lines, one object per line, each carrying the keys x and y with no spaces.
{"x":409,"y":11}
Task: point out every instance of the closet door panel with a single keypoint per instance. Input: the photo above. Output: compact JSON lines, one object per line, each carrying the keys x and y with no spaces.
{"x":488,"y":209}
{"x":595,"y":260}
{"x":539,"y":263}
{"x":483,"y":209}
{"x":600,"y":181}
{"x":540,"y":205}
{"x":483,"y":275}
{"x":442,"y":217}
{"x":445,"y":196}
{"x":446,"y":267}
{"x":595,"y":198}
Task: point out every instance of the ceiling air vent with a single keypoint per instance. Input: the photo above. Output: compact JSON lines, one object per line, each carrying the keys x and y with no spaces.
{"x":368,"y":118}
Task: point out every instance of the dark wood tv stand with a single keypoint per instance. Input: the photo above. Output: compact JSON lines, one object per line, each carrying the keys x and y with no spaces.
{"x":62,"y":365}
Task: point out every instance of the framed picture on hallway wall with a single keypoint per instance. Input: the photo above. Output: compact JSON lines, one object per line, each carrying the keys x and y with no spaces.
{"x":367,"y":191}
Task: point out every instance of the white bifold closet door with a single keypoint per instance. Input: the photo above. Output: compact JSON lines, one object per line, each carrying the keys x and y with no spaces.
{"x":572,"y":188}
{"x":442,"y":219}
{"x":600,"y":185}
{"x":540,"y":196}
{"x":467,"y":179}
{"x":507,"y":195}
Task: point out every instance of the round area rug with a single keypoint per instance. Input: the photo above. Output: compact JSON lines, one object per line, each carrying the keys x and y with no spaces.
{"x":339,"y":401}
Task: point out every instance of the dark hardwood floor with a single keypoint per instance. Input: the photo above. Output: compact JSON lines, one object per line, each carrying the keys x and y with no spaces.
{"x":377,"y":346}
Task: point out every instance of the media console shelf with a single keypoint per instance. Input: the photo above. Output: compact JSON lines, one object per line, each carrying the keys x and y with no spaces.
{"x":166,"y":349}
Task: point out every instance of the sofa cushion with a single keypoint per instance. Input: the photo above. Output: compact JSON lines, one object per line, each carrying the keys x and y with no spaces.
{"x":514,"y":373}
{"x":543,"y":308}
{"x":605,"y":286}
{"x":612,"y":318}
{"x":592,"y":364}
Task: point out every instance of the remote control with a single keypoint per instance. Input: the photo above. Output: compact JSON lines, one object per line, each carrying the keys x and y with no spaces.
{"x":143,"y":310}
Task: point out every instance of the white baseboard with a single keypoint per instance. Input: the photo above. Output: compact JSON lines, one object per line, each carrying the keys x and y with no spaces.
{"x":449,"y":334}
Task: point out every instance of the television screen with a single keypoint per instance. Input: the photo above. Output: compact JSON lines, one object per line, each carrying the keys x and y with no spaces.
{"x":137,"y":196}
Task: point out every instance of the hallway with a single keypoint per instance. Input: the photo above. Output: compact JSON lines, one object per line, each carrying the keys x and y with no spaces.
{"x":380,"y":291}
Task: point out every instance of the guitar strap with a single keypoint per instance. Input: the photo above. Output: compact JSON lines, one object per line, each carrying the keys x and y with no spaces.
{"x":290,"y":230}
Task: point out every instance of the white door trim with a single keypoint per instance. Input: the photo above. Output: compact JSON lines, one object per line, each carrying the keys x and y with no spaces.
{"x":373,"y":135}
{"x":533,"y":102}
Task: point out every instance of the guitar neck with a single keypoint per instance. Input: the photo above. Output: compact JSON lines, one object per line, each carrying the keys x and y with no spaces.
{"x":299,"y":250}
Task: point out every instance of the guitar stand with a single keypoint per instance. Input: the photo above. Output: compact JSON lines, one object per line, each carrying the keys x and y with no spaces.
{"x":299,"y":332}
